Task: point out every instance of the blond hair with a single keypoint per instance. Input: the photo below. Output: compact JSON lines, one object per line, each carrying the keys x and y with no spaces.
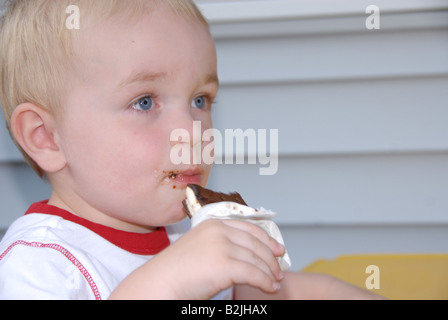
{"x":35,"y":47}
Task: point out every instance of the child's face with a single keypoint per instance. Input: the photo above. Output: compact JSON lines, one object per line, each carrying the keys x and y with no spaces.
{"x":141,"y":80}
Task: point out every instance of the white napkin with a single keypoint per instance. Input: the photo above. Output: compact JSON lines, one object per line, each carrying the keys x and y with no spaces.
{"x":231,"y":210}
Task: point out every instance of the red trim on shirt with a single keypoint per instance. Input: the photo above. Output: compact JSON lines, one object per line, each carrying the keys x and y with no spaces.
{"x":66,"y":253}
{"x":137,"y":243}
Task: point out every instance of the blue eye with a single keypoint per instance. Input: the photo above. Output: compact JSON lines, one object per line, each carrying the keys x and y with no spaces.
{"x":200,"y":102}
{"x":143,"y":104}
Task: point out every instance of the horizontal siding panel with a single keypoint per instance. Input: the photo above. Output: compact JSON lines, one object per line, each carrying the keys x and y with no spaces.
{"x":373,"y":54}
{"x":342,"y":117}
{"x":371,"y":189}
{"x":333,"y":25}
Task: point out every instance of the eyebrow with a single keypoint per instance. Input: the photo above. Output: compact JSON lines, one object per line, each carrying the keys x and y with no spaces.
{"x":143,"y":77}
{"x":157,"y":76}
{"x":212,"y":78}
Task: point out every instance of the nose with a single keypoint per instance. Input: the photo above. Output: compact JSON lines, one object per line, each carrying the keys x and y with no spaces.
{"x":186,"y":140}
{"x":185,"y":129}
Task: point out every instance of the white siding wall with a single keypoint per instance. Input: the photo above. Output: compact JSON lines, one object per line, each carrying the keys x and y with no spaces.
{"x":362,"y":118}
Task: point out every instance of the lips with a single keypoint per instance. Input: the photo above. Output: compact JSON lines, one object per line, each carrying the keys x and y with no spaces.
{"x":192,"y":176}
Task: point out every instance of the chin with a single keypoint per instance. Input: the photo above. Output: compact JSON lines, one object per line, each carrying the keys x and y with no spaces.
{"x":174,"y":215}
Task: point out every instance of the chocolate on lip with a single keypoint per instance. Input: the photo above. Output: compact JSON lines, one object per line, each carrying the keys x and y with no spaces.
{"x":183,"y":177}
{"x":173,"y":175}
{"x":189,"y":172}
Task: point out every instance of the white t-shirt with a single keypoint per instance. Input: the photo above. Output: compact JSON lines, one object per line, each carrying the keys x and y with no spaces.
{"x":52,"y":254}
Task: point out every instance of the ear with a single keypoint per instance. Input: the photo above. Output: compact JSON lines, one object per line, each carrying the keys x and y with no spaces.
{"x":34,"y":129}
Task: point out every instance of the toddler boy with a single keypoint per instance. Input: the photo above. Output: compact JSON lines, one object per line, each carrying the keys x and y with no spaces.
{"x":91,"y":107}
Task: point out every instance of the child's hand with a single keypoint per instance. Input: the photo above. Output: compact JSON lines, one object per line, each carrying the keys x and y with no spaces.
{"x":217,"y":254}
{"x":208,"y":259}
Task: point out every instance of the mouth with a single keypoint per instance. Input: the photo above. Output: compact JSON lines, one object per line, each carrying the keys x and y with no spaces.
{"x":184,"y":178}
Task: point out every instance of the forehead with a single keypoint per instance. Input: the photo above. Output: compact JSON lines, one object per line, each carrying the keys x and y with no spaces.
{"x":161,"y":40}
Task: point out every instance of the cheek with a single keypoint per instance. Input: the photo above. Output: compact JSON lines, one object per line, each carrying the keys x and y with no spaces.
{"x":111,"y":153}
{"x":139,"y":152}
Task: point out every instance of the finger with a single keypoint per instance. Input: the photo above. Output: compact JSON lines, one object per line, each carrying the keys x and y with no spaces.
{"x":256,"y":251}
{"x":260,"y":260}
{"x":277,"y":248}
{"x":249,"y":274}
{"x":253,"y":229}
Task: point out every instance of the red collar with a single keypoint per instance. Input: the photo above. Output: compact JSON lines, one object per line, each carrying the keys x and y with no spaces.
{"x":142,"y":244}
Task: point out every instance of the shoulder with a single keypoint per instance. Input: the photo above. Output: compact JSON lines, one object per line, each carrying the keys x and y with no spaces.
{"x":39,"y":230}
{"x":36,"y":270}
{"x":38,"y":262}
